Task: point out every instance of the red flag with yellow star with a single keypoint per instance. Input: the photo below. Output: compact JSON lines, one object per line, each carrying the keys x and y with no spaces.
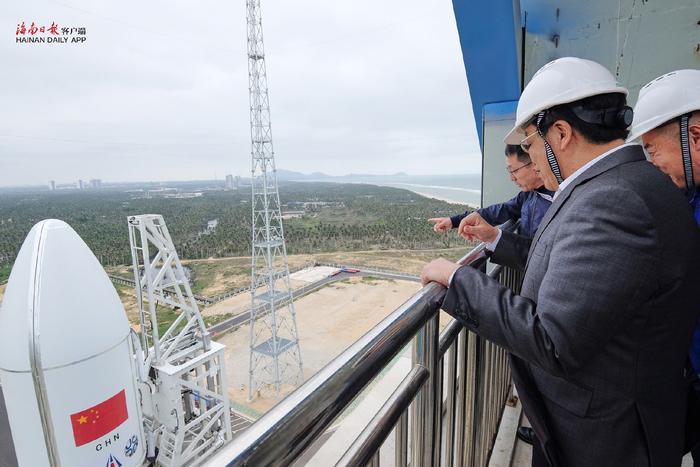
{"x":100,"y":419}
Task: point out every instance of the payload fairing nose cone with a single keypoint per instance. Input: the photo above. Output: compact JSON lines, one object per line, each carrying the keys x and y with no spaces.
{"x":66,"y":363}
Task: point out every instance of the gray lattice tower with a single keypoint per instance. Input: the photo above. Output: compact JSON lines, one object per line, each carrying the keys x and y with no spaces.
{"x":275,"y":358}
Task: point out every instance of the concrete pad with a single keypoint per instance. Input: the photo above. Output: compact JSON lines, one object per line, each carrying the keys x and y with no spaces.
{"x":313,"y":274}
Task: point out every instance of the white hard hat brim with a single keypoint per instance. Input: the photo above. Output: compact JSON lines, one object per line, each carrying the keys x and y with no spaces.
{"x":665,"y":98}
{"x":515,"y":135}
{"x":642,"y":128}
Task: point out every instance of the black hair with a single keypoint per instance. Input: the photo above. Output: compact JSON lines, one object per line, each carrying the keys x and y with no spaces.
{"x":515,"y":149}
{"x":596,"y":133}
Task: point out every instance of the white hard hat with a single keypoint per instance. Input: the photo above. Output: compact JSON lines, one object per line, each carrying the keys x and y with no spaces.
{"x":561,"y":81}
{"x":665,"y":98}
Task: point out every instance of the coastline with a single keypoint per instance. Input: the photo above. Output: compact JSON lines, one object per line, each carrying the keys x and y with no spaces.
{"x":443,"y":188}
{"x":447,"y":200}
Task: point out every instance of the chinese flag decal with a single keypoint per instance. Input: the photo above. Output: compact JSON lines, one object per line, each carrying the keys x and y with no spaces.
{"x":98,"y":420}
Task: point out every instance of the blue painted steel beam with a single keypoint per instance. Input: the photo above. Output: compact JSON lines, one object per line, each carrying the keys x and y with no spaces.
{"x":489,"y":34}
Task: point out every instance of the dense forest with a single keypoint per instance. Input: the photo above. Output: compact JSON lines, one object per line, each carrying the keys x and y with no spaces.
{"x":328,"y":217}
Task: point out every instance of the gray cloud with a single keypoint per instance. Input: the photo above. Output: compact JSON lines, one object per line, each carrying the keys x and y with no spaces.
{"x":160,"y":90}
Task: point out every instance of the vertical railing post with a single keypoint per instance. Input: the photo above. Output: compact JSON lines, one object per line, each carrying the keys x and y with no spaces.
{"x":418,"y":405}
{"x":375,"y":460}
{"x":470,"y":405}
{"x":461,"y":409}
{"x":401,"y":444}
{"x":451,"y":404}
{"x":425,"y":352}
{"x":437,"y":411}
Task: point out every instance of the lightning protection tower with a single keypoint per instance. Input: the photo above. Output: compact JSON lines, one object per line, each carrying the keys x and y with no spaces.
{"x":275,"y":358}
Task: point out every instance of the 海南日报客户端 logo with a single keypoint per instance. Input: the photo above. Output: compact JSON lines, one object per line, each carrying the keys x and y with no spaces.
{"x":36,"y":33}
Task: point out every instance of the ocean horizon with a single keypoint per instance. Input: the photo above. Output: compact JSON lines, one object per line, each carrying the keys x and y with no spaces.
{"x":459,"y":189}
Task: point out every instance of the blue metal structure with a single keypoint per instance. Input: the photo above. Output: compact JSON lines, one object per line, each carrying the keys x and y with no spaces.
{"x":504,"y":42}
{"x":490,"y":37}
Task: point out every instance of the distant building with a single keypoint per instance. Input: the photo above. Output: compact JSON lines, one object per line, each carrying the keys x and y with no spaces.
{"x":96,"y":183}
{"x":237,"y":182}
{"x":52,"y":185}
{"x":229,"y":182}
{"x":81,"y":185}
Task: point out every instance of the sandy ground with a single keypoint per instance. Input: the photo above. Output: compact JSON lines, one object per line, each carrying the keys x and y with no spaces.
{"x":2,"y":291}
{"x":329,"y":320}
{"x":348,"y":311}
{"x":408,"y":261}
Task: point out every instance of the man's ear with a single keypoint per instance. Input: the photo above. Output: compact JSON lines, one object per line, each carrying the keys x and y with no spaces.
{"x":694,"y":137}
{"x":562,"y":134}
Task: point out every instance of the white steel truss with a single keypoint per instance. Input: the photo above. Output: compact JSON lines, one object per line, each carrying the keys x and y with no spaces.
{"x":275,"y":357}
{"x":183,"y":374}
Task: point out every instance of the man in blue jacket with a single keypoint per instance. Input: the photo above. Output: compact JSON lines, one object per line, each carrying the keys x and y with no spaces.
{"x":667,"y":119}
{"x":529,"y":206}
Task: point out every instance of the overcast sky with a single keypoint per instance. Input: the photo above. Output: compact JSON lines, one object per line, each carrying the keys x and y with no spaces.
{"x":159,"y":90}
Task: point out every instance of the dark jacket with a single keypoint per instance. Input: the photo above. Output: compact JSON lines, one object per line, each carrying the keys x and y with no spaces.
{"x":528,"y":207}
{"x":695,"y":344}
{"x":600,"y":332}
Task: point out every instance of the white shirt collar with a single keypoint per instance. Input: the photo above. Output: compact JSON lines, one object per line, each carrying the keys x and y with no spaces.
{"x":587,"y":166}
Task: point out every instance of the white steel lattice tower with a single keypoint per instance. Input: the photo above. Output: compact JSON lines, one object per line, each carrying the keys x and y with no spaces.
{"x":182,"y":373}
{"x":275,"y":358}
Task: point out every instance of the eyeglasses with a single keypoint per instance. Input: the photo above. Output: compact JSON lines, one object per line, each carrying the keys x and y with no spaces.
{"x":514,"y":171}
{"x":524,"y":146}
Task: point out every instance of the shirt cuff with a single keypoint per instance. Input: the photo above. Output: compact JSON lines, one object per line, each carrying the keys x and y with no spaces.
{"x":491,"y":246}
{"x":449,"y":282}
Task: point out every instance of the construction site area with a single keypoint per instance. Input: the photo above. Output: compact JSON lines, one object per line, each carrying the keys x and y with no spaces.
{"x":334,"y":305}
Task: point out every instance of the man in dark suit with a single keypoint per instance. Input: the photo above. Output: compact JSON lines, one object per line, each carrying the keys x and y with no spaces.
{"x":600,"y":331}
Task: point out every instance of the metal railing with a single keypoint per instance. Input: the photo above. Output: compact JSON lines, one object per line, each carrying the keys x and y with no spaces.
{"x":446,"y":411}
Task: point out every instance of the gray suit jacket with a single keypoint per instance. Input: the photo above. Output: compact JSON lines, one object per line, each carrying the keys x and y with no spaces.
{"x":600,"y":332}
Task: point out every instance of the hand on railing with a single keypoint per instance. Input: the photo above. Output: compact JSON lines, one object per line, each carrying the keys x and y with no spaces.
{"x":438,"y":270}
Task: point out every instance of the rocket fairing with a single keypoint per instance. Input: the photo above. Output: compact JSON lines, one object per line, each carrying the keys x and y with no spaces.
{"x":66,"y":365}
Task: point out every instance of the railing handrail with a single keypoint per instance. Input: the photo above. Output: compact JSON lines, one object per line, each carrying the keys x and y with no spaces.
{"x":371,"y":438}
{"x":295,"y":422}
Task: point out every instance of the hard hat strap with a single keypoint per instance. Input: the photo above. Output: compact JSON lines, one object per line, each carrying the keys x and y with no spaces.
{"x":685,"y":153}
{"x":551,"y":158}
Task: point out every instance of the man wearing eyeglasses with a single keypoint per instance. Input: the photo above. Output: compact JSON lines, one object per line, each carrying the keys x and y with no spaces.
{"x":529,"y":206}
{"x":599,"y":333}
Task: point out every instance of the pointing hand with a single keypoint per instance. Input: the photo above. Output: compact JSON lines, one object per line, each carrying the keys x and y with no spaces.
{"x":474,"y":227}
{"x":441,"y":224}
